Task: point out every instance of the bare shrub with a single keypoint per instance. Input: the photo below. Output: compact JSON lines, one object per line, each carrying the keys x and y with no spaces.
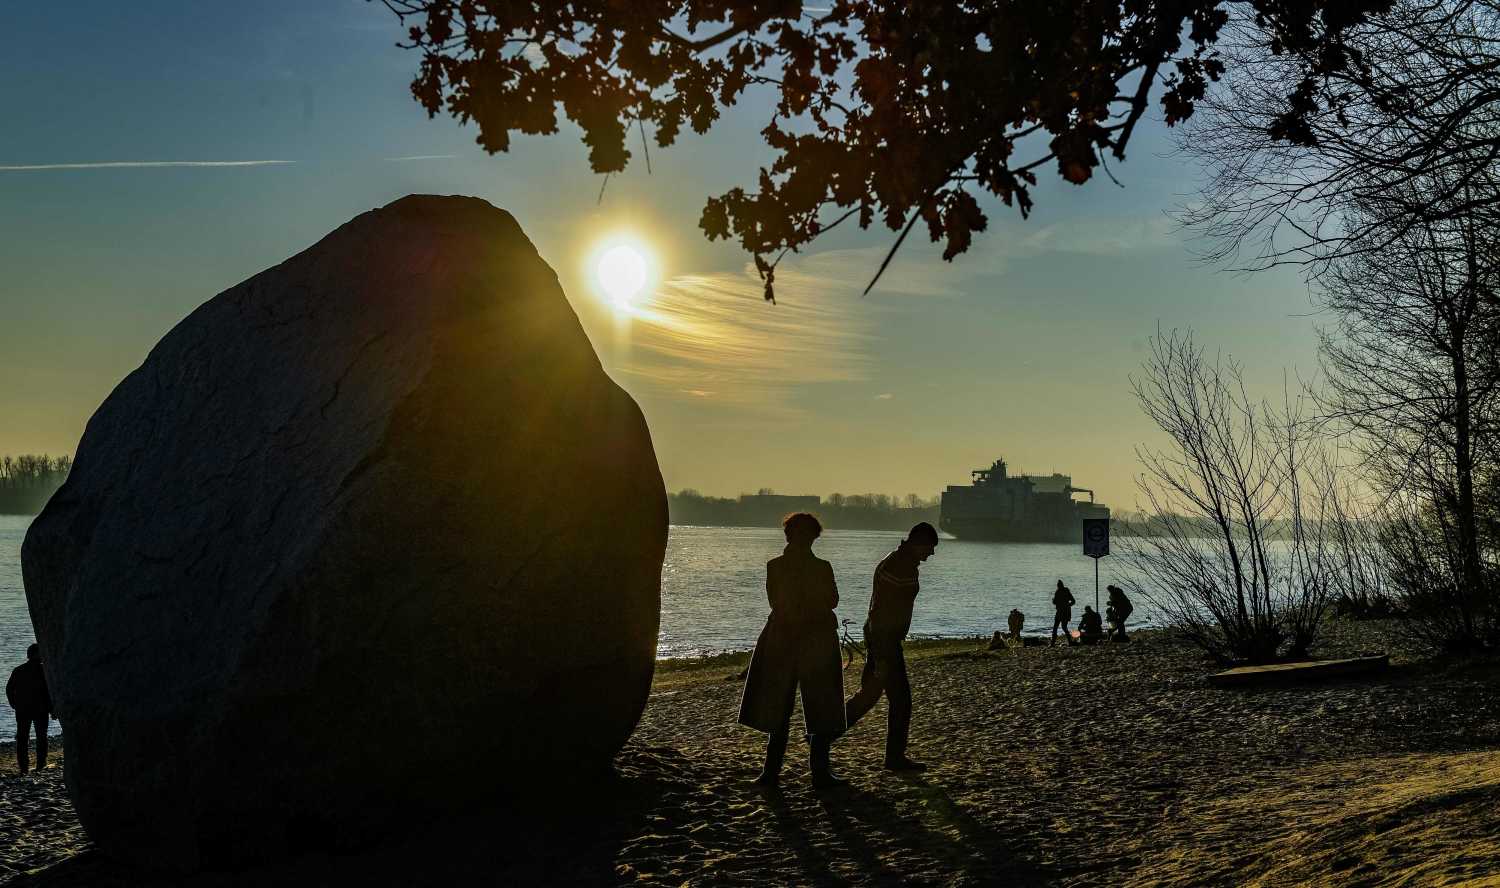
{"x":1425,"y":551}
{"x":1251,"y":528}
{"x":1360,"y":568}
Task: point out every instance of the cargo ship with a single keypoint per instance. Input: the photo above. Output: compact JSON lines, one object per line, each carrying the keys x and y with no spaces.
{"x":1017,"y":508}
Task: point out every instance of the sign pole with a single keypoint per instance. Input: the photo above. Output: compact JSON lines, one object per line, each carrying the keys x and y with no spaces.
{"x":1096,"y":546}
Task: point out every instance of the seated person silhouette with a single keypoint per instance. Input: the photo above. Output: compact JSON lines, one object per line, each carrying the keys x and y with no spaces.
{"x":1090,"y":626}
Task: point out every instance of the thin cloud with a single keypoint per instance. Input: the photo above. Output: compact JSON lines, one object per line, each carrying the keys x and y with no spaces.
{"x":918,"y":271}
{"x":136,"y":164}
{"x":713,"y":339}
{"x":914,"y":272}
{"x":1102,"y":237}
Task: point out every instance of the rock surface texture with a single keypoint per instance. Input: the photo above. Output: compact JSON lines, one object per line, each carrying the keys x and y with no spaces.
{"x":368,"y":537}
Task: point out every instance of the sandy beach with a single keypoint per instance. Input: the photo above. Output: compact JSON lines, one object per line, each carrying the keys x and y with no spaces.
{"x":1114,"y":765}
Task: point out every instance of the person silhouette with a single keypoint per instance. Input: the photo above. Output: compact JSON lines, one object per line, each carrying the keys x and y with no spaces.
{"x":886,"y":625}
{"x":26,"y":691}
{"x":1090,"y":626}
{"x":1014,"y":622}
{"x":1120,"y":609}
{"x":799,"y":647}
{"x":1062,"y":600}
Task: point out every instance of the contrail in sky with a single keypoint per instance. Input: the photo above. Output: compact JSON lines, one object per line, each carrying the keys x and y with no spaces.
{"x":423,"y":157}
{"x":136,"y":164}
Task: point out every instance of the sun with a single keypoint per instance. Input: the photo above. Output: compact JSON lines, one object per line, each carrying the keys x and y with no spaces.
{"x":622,"y":272}
{"x":622,"y":269}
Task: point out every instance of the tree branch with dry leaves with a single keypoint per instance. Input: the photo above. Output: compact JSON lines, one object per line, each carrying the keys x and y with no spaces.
{"x":902,"y":112}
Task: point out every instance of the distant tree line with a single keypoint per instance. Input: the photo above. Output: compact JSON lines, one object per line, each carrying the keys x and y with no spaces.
{"x":877,"y":511}
{"x":28,"y":480}
{"x":859,"y":511}
{"x":1142,"y":524}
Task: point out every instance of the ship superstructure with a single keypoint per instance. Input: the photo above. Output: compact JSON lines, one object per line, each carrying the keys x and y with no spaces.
{"x":1017,"y":508}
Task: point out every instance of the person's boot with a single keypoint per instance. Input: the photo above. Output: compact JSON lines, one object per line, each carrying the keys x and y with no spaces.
{"x":770,"y":775}
{"x":818,"y":764}
{"x":895,"y":742}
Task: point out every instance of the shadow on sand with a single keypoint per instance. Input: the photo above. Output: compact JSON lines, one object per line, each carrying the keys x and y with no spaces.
{"x":573,"y":838}
{"x":912,"y":836}
{"x":662,"y":817}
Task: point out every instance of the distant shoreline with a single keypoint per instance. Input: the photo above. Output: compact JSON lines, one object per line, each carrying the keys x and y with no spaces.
{"x":920,"y":644}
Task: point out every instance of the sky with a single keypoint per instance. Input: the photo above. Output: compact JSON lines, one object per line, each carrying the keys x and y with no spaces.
{"x":156,"y":153}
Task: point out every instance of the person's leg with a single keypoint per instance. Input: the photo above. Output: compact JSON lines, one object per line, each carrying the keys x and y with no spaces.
{"x":898,"y":694}
{"x":1057,"y":619}
{"x":871,"y":685}
{"x":23,"y":742}
{"x":770,"y":774}
{"x":818,"y":763}
{"x":42,"y":724}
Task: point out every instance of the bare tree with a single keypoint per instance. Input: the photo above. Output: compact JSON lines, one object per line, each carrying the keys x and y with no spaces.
{"x":1399,"y":133}
{"x":1413,"y":362}
{"x":1360,"y":584}
{"x":1243,"y":558}
{"x":1423,"y":553}
{"x":1388,"y":192}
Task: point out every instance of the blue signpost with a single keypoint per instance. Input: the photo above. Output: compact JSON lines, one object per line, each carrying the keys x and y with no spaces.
{"x":1096,"y":546}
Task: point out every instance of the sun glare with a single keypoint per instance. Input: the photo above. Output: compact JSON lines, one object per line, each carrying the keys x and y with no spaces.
{"x":622,"y":270}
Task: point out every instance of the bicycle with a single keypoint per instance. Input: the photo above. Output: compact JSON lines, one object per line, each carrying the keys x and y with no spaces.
{"x":850,"y":646}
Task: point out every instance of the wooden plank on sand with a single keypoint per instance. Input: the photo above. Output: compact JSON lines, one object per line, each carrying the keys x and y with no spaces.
{"x":1285,"y":673}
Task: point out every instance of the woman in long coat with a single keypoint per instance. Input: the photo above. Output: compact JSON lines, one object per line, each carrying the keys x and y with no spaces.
{"x":798,"y":647}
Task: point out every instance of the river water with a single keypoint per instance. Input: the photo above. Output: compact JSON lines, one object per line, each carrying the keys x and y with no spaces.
{"x":15,"y":622}
{"x":713,"y":590}
{"x":713,"y":594}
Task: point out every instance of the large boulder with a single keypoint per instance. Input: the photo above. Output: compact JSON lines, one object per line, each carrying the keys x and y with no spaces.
{"x":367,"y":537}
